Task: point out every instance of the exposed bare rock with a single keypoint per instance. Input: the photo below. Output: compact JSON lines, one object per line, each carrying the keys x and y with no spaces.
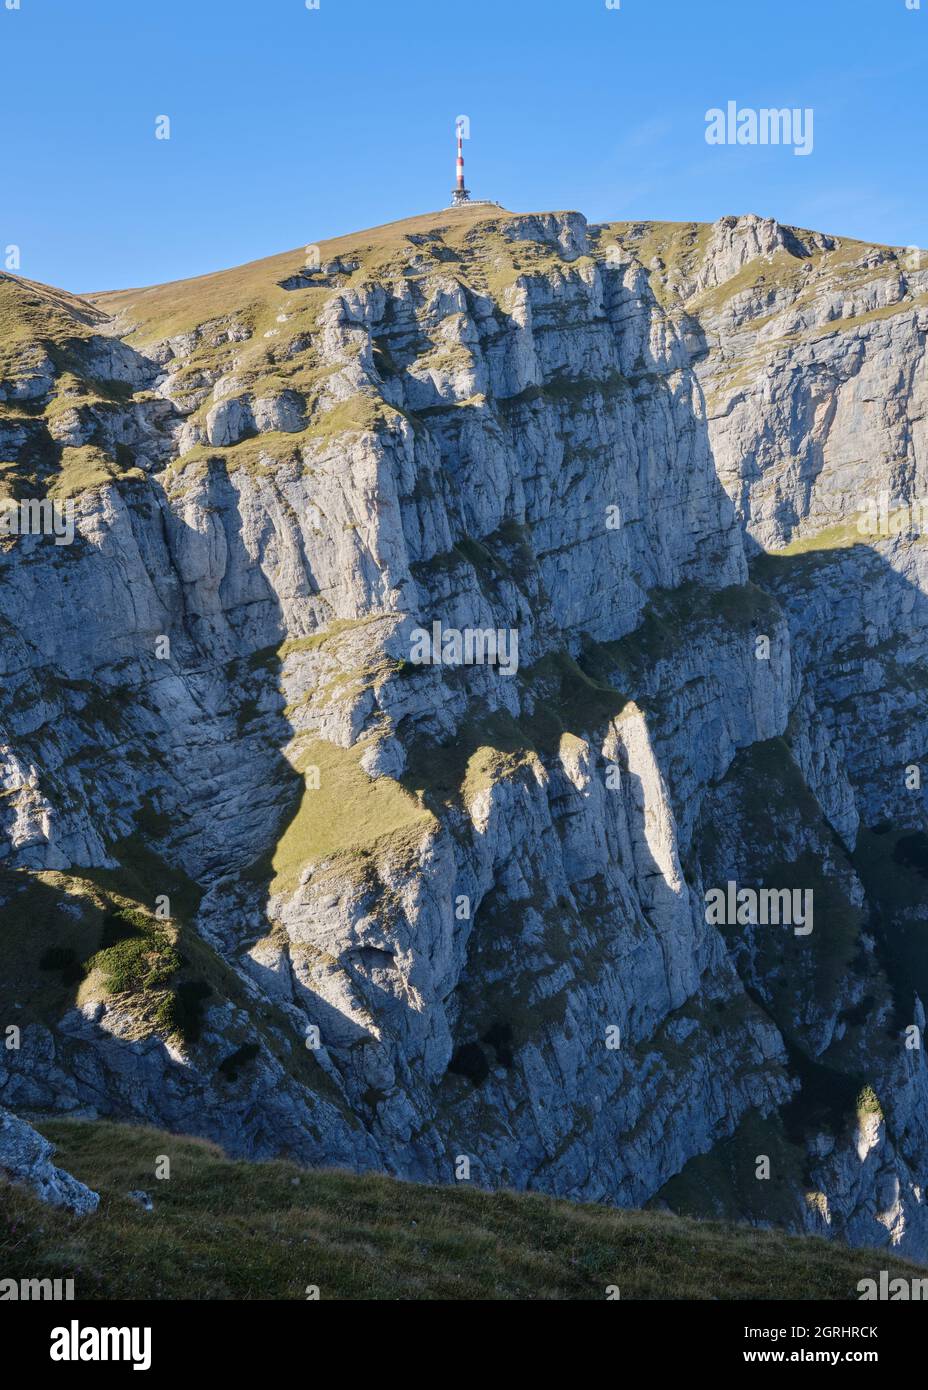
{"x":25,"y":1159}
{"x":411,"y":908}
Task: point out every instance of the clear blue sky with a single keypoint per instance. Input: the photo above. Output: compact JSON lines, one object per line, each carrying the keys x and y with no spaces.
{"x":290,"y":125}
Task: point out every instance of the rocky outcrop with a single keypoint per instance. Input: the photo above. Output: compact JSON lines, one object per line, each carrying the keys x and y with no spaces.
{"x":304,"y":894}
{"x":25,"y":1159}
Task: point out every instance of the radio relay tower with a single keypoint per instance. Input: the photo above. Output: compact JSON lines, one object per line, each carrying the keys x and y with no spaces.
{"x":460,"y":194}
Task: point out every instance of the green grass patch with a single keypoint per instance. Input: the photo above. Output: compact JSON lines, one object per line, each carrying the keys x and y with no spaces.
{"x":347,"y":812}
{"x":251,"y":1231}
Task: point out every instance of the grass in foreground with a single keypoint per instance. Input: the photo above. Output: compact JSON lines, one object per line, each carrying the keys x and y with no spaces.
{"x":223,"y":1229}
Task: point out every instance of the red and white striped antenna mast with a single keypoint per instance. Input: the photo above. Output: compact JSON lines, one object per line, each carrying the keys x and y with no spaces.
{"x":459,"y":193}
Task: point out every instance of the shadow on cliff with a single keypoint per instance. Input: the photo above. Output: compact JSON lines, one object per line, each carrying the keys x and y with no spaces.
{"x":209,"y":803}
{"x":849,"y":678}
{"x":438,"y":769}
{"x":216,"y":654}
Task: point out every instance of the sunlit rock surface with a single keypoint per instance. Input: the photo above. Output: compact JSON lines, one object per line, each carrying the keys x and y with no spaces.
{"x":266,"y":879}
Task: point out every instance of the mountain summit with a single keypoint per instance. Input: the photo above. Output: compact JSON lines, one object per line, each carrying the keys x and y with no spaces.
{"x":651,"y":492}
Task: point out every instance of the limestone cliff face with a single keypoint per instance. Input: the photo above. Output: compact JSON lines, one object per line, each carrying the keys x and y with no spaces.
{"x":268,"y":879}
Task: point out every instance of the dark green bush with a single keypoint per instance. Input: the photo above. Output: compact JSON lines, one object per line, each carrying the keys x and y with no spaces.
{"x":65,"y":961}
{"x":231,"y":1066}
{"x":470,"y":1060}
{"x":182,"y":1011}
{"x":57,"y":958}
{"x":122,"y":924}
{"x":144,"y":962}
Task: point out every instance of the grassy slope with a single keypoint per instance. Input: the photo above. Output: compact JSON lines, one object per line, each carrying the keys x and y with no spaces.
{"x":281,"y":351}
{"x":181,"y":305}
{"x":222,"y":1229}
